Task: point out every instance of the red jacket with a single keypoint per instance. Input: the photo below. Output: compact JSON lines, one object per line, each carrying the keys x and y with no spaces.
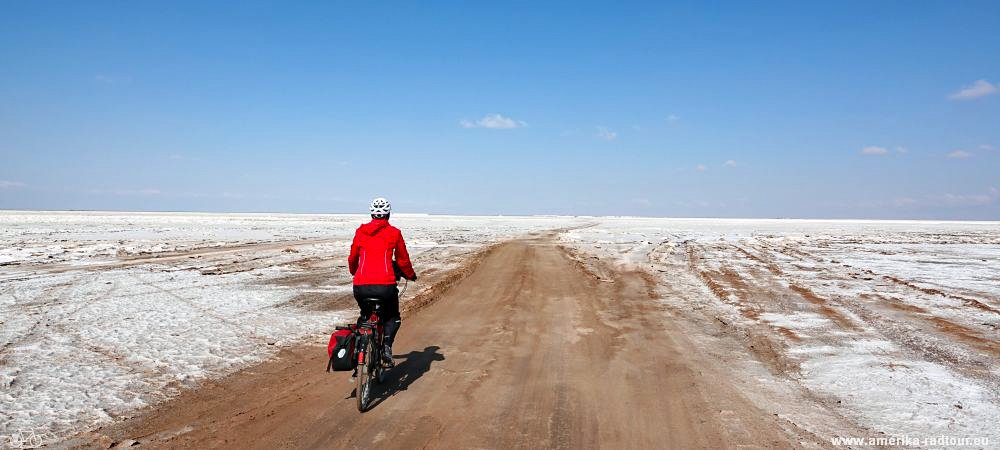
{"x":372,"y":251}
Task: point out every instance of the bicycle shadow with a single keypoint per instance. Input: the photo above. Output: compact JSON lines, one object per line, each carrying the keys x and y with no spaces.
{"x":414,"y":365}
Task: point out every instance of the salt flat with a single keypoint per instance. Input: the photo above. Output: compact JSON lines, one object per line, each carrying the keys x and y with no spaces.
{"x":895,"y":324}
{"x":891,"y":324}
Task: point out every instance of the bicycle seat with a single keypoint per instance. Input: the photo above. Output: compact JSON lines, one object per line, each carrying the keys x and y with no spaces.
{"x":374,"y":301}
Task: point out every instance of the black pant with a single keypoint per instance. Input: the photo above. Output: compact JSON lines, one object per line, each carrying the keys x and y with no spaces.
{"x":388,"y":310}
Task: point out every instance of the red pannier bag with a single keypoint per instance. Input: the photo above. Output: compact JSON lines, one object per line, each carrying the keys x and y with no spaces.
{"x":341,"y":349}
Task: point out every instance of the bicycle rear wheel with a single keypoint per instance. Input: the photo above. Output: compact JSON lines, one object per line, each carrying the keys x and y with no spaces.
{"x":366,"y":372}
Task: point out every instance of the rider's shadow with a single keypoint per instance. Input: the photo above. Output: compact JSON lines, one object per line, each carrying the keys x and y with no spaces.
{"x":414,"y":365}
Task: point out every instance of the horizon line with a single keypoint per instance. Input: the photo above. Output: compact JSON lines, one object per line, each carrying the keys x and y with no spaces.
{"x":625,"y":216}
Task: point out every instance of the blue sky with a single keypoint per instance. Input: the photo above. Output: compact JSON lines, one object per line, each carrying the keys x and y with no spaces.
{"x":791,"y":109}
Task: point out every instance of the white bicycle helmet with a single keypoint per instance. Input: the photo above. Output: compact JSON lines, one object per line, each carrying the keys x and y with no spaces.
{"x":380,"y":206}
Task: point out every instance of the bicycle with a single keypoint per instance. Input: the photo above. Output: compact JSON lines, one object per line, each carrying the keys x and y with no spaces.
{"x":368,"y":349}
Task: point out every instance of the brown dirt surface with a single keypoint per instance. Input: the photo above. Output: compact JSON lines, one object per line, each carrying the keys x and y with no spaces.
{"x":523,"y":350}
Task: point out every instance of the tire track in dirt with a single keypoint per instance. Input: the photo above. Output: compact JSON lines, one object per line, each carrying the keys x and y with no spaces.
{"x":983,"y":304}
{"x":966,"y":300}
{"x":729,"y":339}
{"x":56,"y":295}
{"x":756,"y":335}
{"x":177,"y":256}
{"x":243,"y":330}
{"x":932,"y":337}
{"x":770,"y":291}
{"x":959,"y":331}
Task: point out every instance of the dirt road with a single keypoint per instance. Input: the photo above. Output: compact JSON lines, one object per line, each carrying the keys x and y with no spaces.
{"x":528,"y":351}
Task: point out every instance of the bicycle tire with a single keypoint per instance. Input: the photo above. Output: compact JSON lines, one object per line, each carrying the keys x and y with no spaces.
{"x":365,"y":369}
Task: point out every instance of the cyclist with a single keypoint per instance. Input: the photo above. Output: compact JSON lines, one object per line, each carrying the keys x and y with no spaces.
{"x":371,"y":263}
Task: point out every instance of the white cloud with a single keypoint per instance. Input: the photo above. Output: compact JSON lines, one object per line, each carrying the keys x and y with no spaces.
{"x":154,"y":192}
{"x":874,"y":150}
{"x":989,"y":197}
{"x":606,"y":134}
{"x":731,"y":162}
{"x":973,"y":199}
{"x":147,"y":192}
{"x":7,"y":184}
{"x":126,"y":192}
{"x":980,"y":88}
{"x":986,"y":147}
{"x":701,"y":167}
{"x":901,"y":149}
{"x":673,"y":118}
{"x":693,"y":203}
{"x":494,"y":121}
{"x":959,"y":154}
